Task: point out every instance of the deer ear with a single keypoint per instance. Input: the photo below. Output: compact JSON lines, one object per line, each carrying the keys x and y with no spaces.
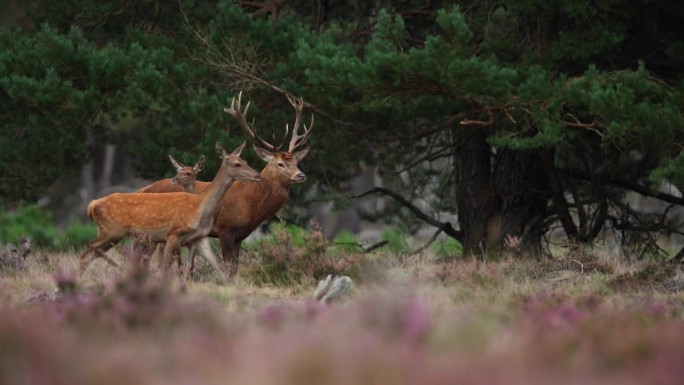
{"x":220,"y":151}
{"x":238,"y":150}
{"x":175,"y":164}
{"x":299,"y":155}
{"x":199,"y":166}
{"x":263,"y":154}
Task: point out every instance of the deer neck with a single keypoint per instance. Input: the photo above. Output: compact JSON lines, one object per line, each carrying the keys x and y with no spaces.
{"x":213,"y":196}
{"x":269,"y":196}
{"x":189,"y":188}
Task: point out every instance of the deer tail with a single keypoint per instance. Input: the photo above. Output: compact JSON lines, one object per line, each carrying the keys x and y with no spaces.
{"x":91,"y":209}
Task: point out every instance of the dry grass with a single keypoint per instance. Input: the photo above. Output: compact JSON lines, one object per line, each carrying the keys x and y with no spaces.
{"x":409,"y":321}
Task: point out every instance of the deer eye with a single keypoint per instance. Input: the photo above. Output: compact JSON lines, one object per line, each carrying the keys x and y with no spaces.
{"x":281,"y":165}
{"x":237,"y":165}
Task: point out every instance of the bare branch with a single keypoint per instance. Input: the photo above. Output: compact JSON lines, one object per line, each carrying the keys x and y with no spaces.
{"x":432,"y":239}
{"x":443,"y":226}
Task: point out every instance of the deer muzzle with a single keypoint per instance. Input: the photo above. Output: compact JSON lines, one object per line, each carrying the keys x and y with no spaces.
{"x":299,"y":177}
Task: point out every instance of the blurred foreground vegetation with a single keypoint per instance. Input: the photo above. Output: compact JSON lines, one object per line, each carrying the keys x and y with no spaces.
{"x":410,"y":319}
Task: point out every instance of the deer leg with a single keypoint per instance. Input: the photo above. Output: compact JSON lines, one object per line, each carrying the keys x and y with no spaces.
{"x":158,"y":255}
{"x":172,"y":247}
{"x":84,"y":260}
{"x":230,"y":249}
{"x":97,"y":248}
{"x":104,"y":256}
{"x":178,"y":259}
{"x":191,"y":256}
{"x":139,"y":252}
{"x":209,"y":255}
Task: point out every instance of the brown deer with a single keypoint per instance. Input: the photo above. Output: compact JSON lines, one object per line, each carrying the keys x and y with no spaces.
{"x":179,"y":218}
{"x":185,"y":178}
{"x":246,"y":205}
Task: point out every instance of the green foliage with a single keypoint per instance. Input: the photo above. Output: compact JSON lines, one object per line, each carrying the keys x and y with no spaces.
{"x":36,"y":224}
{"x":77,"y":234}
{"x":396,"y":240}
{"x":447,"y":249}
{"x":29,"y":221}
{"x":344,"y":242}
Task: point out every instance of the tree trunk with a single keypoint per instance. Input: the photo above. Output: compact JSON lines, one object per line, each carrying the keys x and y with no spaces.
{"x":474,"y":192}
{"x":108,"y":166}
{"x":522,"y":194}
{"x":499,"y":193}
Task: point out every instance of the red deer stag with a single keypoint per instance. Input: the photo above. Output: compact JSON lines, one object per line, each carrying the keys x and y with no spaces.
{"x":246,"y":205}
{"x":180,"y":219}
{"x":185,"y":178}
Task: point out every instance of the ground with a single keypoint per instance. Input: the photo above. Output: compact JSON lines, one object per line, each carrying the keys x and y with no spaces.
{"x":408,"y":320}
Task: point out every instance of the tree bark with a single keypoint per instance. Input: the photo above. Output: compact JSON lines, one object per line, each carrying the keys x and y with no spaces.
{"x":522,"y":194}
{"x":474,"y":192}
{"x":499,"y":192}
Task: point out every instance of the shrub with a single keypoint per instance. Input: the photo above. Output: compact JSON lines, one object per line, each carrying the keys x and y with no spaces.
{"x":396,"y":241}
{"x":448,"y":249}
{"x":37,"y":225}
{"x":29,"y":221}
{"x":78,"y":234}
{"x":282,"y":262}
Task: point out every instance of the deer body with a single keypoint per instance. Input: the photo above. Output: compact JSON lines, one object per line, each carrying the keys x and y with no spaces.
{"x":155,"y":214}
{"x":178,"y":218}
{"x":185,"y":180}
{"x":246,"y":206}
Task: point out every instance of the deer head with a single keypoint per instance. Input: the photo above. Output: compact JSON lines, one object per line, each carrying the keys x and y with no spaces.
{"x":281,"y":165}
{"x":186,"y":175}
{"x":236,"y":167}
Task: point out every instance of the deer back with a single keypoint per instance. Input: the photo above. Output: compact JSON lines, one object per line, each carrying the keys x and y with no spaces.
{"x":166,"y":186}
{"x":153,"y":214}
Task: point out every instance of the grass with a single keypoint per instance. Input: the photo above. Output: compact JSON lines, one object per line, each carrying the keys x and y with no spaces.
{"x":409,"y":320}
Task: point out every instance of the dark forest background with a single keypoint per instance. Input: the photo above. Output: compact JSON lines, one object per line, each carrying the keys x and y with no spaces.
{"x":519,"y":116}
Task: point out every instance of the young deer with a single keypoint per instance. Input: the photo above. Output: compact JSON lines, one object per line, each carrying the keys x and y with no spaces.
{"x":185,"y":178}
{"x":179,"y":218}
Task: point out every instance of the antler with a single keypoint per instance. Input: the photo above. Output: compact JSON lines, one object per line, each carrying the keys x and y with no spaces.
{"x":298,"y":140}
{"x":238,"y":114}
